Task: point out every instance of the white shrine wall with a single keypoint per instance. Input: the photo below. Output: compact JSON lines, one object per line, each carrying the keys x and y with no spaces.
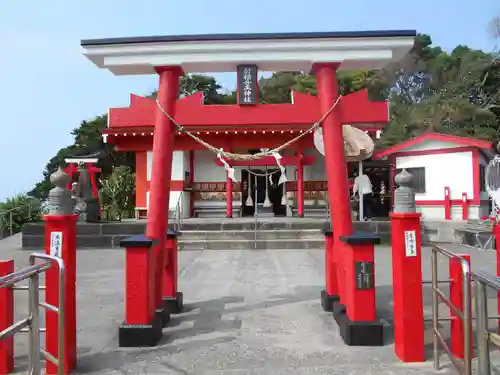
{"x":445,"y":167}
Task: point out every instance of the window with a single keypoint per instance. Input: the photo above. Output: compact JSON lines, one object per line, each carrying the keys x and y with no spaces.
{"x":482,"y":177}
{"x":418,"y":178}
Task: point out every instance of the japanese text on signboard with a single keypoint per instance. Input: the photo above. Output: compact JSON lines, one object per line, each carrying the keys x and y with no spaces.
{"x":410,"y":243}
{"x":56,"y":244}
{"x":248,"y":84}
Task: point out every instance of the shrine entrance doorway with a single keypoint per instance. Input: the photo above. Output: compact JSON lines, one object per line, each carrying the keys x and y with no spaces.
{"x":257,"y":185}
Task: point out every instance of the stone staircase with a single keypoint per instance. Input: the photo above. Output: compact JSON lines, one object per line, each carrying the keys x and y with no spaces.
{"x":211,"y":234}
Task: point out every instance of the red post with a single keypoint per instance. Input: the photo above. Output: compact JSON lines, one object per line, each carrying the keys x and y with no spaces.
{"x":6,"y":320}
{"x":191,"y":182}
{"x":300,"y":185}
{"x":331,"y":292}
{"x":142,"y":327}
{"x":465,"y":207}
{"x":71,"y":169}
{"x":172,"y":298}
{"x":335,"y":162}
{"x":407,"y":287}
{"x":447,"y":203}
{"x":163,"y":145}
{"x":360,"y":277}
{"x":496,"y":233}
{"x":229,"y":196}
{"x":93,"y":181}
{"x":60,"y":240}
{"x":456,"y":298}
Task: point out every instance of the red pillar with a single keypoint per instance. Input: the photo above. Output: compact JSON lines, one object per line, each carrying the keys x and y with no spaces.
{"x":407,"y":287}
{"x":6,"y":320}
{"x":465,"y":207}
{"x":161,"y":171}
{"x":93,"y":181}
{"x":229,"y":195}
{"x":172,"y":298}
{"x":71,"y":169}
{"x":191,"y":183}
{"x":300,"y":185}
{"x":456,"y":298}
{"x":335,"y":162}
{"x":60,"y":240}
{"x":141,"y":327}
{"x":447,"y":203}
{"x":496,"y":232}
{"x":331,"y":292}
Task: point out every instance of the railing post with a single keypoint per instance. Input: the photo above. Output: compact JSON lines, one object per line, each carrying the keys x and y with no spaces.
{"x":407,"y":273}
{"x":60,"y":241}
{"x":457,"y":284}
{"x":483,"y":345}
{"x":172,"y":298}
{"x":331,"y":292}
{"x":6,"y":320}
{"x":34,"y":332}
{"x":141,"y":327}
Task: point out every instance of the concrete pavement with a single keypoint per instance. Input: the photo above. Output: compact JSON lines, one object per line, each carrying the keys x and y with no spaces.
{"x":247,"y":312}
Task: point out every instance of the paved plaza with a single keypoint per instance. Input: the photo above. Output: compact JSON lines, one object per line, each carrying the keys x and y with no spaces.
{"x":247,"y":312}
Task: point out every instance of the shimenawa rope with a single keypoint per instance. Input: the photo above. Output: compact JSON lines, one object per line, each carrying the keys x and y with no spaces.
{"x":246,"y":157}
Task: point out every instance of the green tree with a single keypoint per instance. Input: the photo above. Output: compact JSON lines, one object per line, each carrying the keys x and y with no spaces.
{"x":117,"y":194}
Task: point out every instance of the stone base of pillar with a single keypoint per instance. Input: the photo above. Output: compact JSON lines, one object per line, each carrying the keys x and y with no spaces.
{"x":164,"y":316}
{"x":140,"y":335}
{"x":174,"y":305}
{"x":357,"y":333}
{"x":328,"y":300}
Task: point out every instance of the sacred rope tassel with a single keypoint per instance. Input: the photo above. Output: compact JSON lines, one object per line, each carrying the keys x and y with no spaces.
{"x":249,"y":201}
{"x":267,"y":201}
{"x":227,"y":167}
{"x":284,"y":200}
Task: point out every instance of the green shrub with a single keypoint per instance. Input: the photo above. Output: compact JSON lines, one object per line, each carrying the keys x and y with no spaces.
{"x":16,"y":211}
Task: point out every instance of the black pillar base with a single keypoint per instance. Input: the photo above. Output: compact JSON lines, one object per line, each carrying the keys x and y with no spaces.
{"x":229,"y":216}
{"x":163,"y":315}
{"x":357,"y":333}
{"x":140,"y":335}
{"x":327,"y":301}
{"x":174,"y":305}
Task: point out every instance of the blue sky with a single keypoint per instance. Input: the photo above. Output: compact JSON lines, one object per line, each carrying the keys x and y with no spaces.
{"x":48,"y":87}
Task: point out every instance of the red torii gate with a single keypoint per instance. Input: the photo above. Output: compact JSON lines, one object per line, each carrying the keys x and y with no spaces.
{"x":322,"y":54}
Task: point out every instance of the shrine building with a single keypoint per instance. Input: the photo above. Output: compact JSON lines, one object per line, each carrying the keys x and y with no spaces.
{"x":449,"y":174}
{"x":200,"y":182}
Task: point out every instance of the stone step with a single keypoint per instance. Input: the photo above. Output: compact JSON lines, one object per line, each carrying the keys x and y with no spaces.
{"x":276,"y":244}
{"x":264,"y":234}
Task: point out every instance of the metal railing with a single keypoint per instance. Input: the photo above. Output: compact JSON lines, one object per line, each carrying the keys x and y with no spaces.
{"x":484,"y":336}
{"x":31,"y":324}
{"x":463,"y":367}
{"x":178,"y":214}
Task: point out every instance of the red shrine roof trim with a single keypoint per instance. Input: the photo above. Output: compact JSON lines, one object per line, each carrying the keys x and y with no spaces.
{"x":462,"y":141}
{"x":355,"y":109}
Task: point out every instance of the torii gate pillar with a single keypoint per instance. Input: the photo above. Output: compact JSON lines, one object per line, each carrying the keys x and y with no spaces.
{"x":163,"y":146}
{"x":353,"y":309}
